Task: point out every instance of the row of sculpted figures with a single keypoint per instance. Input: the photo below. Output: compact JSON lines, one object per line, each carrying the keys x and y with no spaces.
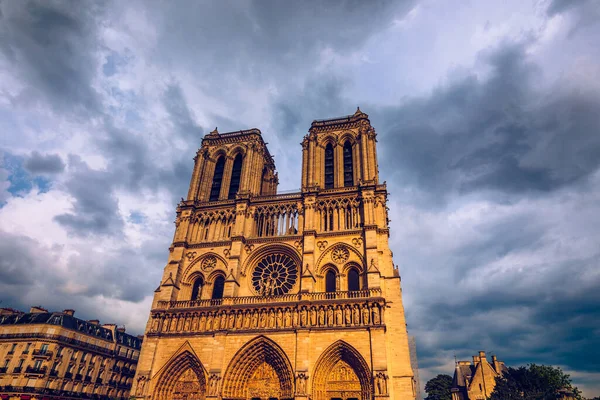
{"x":366,"y":314}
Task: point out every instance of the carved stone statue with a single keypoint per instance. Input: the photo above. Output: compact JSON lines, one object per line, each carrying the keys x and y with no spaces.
{"x":271,"y":318}
{"x":263,"y":319}
{"x":217,"y":322}
{"x":295,"y":317}
{"x":348,"y":315}
{"x":375,"y":312}
{"x":223,"y":320}
{"x":255,"y":319}
{"x":356,"y":315}
{"x":301,"y":383}
{"x":321,"y":316}
{"x":202,"y":322}
{"x":330,"y":316}
{"x":231,"y":320}
{"x":338,"y":316}
{"x":380,"y":384}
{"x":209,"y":322}
{"x":213,"y":385}
{"x":365,"y":315}
{"x":288,"y":318}
{"x":303,"y":317}
{"x":313,"y":316}
{"x":141,"y":386}
{"x":279,"y":318}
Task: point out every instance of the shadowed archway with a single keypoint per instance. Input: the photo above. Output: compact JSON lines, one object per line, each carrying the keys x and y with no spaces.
{"x":184,"y":378}
{"x":260,"y":369}
{"x":341,"y":372}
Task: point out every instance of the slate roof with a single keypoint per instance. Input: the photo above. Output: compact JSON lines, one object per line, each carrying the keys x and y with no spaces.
{"x":70,"y":322}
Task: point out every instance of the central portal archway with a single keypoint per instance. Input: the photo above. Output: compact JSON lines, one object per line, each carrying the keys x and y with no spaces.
{"x":341,"y":373}
{"x":259,"y":371}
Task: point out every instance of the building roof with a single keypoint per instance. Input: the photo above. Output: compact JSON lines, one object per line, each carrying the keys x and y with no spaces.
{"x":70,"y":322}
{"x":320,"y":123}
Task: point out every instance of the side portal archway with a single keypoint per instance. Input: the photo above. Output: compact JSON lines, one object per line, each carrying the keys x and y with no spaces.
{"x":259,"y":370}
{"x":341,"y":373}
{"x":184,"y":378}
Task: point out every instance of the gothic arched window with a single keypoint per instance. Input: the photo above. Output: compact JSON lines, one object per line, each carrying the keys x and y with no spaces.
{"x":353,"y":280}
{"x":329,"y":167}
{"x":236,"y":173}
{"x":219,"y":285}
{"x":217,"y":178}
{"x":330,"y":284}
{"x":197,"y":289}
{"x":348,"y":167}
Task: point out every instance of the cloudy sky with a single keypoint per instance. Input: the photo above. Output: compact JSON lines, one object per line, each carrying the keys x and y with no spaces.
{"x":488,"y":114}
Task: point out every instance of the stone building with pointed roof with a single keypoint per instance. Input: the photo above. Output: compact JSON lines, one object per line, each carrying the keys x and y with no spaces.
{"x":476,"y":379}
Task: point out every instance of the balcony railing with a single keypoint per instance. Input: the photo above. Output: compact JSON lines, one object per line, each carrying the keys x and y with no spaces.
{"x":42,"y":354}
{"x":229,"y":301}
{"x":35,"y":371}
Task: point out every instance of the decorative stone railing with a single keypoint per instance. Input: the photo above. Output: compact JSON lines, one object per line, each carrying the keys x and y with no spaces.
{"x":353,"y":312}
{"x":286,"y":298}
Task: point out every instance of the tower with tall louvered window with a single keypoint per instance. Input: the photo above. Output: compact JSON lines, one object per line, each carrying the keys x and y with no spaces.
{"x":280,"y":296}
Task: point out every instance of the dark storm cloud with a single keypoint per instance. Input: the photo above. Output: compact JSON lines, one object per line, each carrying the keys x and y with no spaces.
{"x":51,"y":46}
{"x":26,"y":277}
{"x":95,"y":209}
{"x":260,"y":41}
{"x":499,"y":133}
{"x":38,"y":163}
{"x":511,"y":141}
{"x":183,"y":123}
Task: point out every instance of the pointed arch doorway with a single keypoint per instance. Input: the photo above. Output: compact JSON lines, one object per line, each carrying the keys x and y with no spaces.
{"x":341,"y":373}
{"x":259,"y":371}
{"x":184,"y":378}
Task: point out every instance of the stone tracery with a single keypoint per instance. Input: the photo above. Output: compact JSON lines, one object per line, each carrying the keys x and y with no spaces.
{"x":260,"y":360}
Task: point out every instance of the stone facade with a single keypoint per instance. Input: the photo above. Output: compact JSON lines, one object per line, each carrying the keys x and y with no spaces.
{"x":280,"y":296}
{"x":53,"y":355}
{"x":476,"y":380}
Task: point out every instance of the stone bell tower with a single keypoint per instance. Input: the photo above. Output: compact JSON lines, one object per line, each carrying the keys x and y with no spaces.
{"x":280,"y":296}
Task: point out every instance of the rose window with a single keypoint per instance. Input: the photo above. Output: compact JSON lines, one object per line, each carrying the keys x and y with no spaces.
{"x":340,"y":254}
{"x":209,"y":263}
{"x":274,"y":275}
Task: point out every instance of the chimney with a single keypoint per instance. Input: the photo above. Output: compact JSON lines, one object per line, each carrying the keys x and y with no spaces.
{"x":121,"y":329}
{"x":497,"y":365}
{"x":482,"y":356}
{"x":37,"y":310}
{"x":476,"y":359}
{"x":94,"y":321}
{"x":68,"y":311}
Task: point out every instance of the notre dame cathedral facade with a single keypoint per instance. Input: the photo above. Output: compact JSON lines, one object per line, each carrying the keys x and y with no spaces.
{"x":280,"y":296}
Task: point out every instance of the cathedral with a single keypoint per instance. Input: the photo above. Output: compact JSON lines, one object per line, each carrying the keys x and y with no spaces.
{"x":269,"y":296}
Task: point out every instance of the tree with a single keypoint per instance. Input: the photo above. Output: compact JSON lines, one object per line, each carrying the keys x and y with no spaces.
{"x":535,"y":382}
{"x":438,"y":388}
